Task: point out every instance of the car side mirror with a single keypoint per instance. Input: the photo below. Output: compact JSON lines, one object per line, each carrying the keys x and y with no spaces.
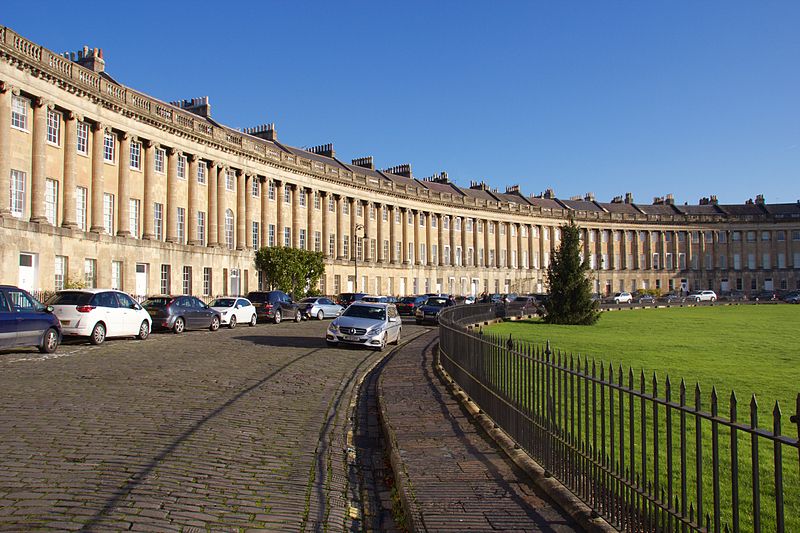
{"x":238,"y":306}
{"x":135,"y":306}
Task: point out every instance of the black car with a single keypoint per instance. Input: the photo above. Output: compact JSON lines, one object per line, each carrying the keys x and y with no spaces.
{"x":346,"y":298}
{"x":275,"y":306}
{"x":766,"y":296}
{"x":24,"y":321}
{"x":179,"y":313}
{"x":429,"y":311}
{"x":408,"y":304}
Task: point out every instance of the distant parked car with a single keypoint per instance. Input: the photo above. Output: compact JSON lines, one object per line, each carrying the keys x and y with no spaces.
{"x":275,"y":306}
{"x":646,"y":299}
{"x":319,"y":308}
{"x":375,"y":299}
{"x":233,"y":310}
{"x":429,"y":311}
{"x":100,"y":314}
{"x":179,"y":313}
{"x":523,"y":305}
{"x":672,"y":298}
{"x":408,"y":304}
{"x":733,"y":296}
{"x":24,"y":321}
{"x":366,"y":324}
{"x":792,"y":297}
{"x":766,"y":296}
{"x":622,"y":298}
{"x":346,"y":298}
{"x":702,"y":296}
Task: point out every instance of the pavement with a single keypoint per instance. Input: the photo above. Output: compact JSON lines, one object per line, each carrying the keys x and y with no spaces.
{"x":451,"y":476}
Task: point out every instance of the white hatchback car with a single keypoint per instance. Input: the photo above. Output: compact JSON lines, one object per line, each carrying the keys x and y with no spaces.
{"x":623,"y":298}
{"x":233,"y":310}
{"x":702,"y":296}
{"x":100,"y":314}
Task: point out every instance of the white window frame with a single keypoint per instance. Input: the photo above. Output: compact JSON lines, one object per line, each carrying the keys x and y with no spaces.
{"x":255,"y":187}
{"x":19,"y":112}
{"x":256,"y":235}
{"x":108,"y":147}
{"x":201,"y":172}
{"x":116,"y":275}
{"x":159,"y":160}
{"x":51,"y":200}
{"x":53,"y":127}
{"x":108,"y":213}
{"x":133,"y":217}
{"x":158,"y":220}
{"x":230,"y":179}
{"x":82,"y":144}
{"x":201,"y":227}
{"x":59,"y":272}
{"x":180,"y":225}
{"x":90,"y":273}
{"x":17,"y":192}
{"x":181,"y":167}
{"x":229,"y":225}
{"x":81,"y":201}
{"x":136,"y":156}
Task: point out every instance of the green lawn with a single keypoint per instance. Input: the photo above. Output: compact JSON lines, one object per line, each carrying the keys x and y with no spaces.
{"x":749,"y":349}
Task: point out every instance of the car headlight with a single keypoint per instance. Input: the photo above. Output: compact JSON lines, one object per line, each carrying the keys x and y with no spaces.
{"x":333,"y":328}
{"x":375,"y":329}
{"x":419,"y":312}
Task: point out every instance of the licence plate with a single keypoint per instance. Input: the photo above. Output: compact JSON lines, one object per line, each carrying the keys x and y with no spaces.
{"x":352,"y":337}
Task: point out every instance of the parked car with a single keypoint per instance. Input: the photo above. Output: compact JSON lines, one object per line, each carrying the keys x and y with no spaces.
{"x":648,"y":299}
{"x":366,"y":324}
{"x":100,"y":314}
{"x":766,"y":296}
{"x":319,"y":308}
{"x":346,"y":298}
{"x":375,"y":299}
{"x":179,"y":313}
{"x":408,"y":304}
{"x":429,"y":311}
{"x":622,"y":298}
{"x":792,"y":297}
{"x":672,"y":298}
{"x":233,"y":310}
{"x":523,"y":305}
{"x":702,"y":296}
{"x":733,"y":296}
{"x":275,"y":306}
{"x":24,"y":321}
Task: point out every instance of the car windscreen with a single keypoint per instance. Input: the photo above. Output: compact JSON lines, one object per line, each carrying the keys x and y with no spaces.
{"x":436,"y":302}
{"x":365,"y":311}
{"x":223,"y":302}
{"x":156,"y":302}
{"x":70,"y":298}
{"x":408,"y":299}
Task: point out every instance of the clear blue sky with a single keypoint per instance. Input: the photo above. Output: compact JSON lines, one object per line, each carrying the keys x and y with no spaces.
{"x":685,"y":97}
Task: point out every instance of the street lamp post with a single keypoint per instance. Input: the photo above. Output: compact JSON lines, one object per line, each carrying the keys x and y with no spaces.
{"x":359,"y":227}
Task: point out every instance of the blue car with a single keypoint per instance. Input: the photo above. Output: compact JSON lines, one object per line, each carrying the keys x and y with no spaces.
{"x":429,"y":311}
{"x":24,"y":321}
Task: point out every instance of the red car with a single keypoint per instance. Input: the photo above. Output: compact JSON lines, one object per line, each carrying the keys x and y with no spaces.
{"x":409,"y":304}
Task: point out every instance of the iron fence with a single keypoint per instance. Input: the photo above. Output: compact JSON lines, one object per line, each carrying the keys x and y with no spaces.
{"x":644,"y":460}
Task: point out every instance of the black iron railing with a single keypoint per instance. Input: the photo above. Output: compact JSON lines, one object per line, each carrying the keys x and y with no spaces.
{"x":643,"y":457}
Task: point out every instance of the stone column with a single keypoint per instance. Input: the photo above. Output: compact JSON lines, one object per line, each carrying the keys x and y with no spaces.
{"x":452,"y":240}
{"x":497,"y":245}
{"x":241,"y":210}
{"x":5,"y":149}
{"x":392,"y":235}
{"x":339,"y":228}
{"x":171,"y":212}
{"x":279,"y":213}
{"x":440,"y":239}
{"x":148,"y":229}
{"x":530,"y":247}
{"x":191,"y":217}
{"x":222,"y":175}
{"x":542,"y":266}
{"x":213,"y":223}
{"x":123,"y":185}
{"x":310,"y":219}
{"x":475,"y":260}
{"x":249,"y":211}
{"x":264,"y":210}
{"x":404,"y":222}
{"x":464,"y":241}
{"x":296,"y":216}
{"x":509,"y":243}
{"x":379,"y":237}
{"x":486,"y":243}
{"x":325,"y":224}
{"x":519,"y":246}
{"x":70,"y":168}
{"x":39,"y":159}
{"x":417,"y":258}
{"x":353,"y":238}
{"x":428,"y":239}
{"x":98,"y":181}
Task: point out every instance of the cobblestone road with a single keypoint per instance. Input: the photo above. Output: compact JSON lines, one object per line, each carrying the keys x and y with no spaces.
{"x":232,"y":430}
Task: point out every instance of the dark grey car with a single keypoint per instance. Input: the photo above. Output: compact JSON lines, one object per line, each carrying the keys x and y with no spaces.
{"x":179,"y":313}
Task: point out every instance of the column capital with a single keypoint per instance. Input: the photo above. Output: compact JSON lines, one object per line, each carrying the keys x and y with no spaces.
{"x":323,"y":194}
{"x":191,"y":158}
{"x":41,"y":101}
{"x":73,"y":115}
{"x":124,"y":136}
{"x":170,"y":151}
{"x":5,"y":86}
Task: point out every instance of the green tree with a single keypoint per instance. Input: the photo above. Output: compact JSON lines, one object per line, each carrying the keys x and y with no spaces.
{"x":291,"y":270}
{"x":570,"y":299}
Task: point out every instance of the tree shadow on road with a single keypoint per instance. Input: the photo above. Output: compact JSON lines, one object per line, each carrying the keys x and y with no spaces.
{"x":284,"y":341}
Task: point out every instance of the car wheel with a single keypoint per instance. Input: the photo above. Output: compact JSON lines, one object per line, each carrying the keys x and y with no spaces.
{"x":232,"y":323}
{"x":298,"y":316}
{"x":179,"y":326}
{"x":98,"y":334}
{"x":320,"y":315}
{"x":253,"y":320}
{"x":697,"y":300}
{"x":49,"y":341}
{"x":277,"y":318}
{"x":713,"y":300}
{"x":397,"y":339}
{"x":144,"y":331}
{"x":382,"y":345}
{"x":214,"y":324}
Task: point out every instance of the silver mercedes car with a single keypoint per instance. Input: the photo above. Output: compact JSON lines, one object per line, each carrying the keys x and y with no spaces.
{"x":373,"y":325}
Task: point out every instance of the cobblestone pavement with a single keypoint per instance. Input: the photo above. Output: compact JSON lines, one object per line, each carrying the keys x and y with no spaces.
{"x":457,"y":478}
{"x":241,"y":429}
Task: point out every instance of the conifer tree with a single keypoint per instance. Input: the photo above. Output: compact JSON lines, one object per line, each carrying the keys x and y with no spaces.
{"x":570,"y":299}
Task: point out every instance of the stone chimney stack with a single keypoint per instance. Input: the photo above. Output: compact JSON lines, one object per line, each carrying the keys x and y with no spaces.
{"x":264,"y":131}
{"x":364,"y":162}
{"x":628,"y":198}
{"x":400,"y":170}
{"x":760,"y":199}
{"x":323,"y":149}
{"x":91,"y":58}
{"x":198,"y":106}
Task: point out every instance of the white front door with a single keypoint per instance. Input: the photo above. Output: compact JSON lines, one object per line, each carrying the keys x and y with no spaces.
{"x":768,"y":285}
{"x":141,"y":279}
{"x":27,"y":271}
{"x":235,"y":282}
{"x":724,"y":286}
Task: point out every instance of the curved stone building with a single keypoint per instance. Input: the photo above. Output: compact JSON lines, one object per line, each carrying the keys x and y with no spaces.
{"x":105,"y":185}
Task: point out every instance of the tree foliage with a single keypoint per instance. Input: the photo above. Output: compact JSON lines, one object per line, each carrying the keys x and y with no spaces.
{"x":294,"y":271}
{"x":570,"y":299}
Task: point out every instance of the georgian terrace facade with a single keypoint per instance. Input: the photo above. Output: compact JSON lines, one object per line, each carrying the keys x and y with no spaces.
{"x":108,"y":186}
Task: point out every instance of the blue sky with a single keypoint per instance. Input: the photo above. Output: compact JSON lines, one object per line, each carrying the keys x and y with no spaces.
{"x":685,"y":97}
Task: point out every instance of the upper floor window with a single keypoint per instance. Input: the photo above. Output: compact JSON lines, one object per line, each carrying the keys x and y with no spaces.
{"x":83,"y":138}
{"x":108,"y":147}
{"x":751,"y":236}
{"x":271,"y":190}
{"x":317,"y":200}
{"x":255,"y":187}
{"x":181,"y":167}
{"x":229,"y":229}
{"x":287,"y":194}
{"x":19,"y":112}
{"x":302,"y":199}
{"x":201,"y":172}
{"x":18,"y":179}
{"x":766,"y":236}
{"x":136,"y":155}
{"x":345,"y":208}
{"x":331,"y":204}
{"x":158,"y":165}
{"x":53,"y":127}
{"x":230,"y":179}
